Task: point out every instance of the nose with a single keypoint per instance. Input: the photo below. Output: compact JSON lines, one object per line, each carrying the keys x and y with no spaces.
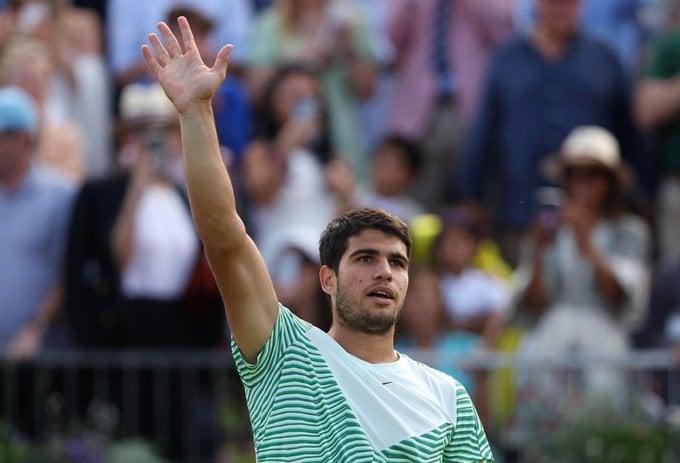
{"x":383,"y":270}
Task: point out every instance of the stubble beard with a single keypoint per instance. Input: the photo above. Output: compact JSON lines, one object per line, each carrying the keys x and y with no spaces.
{"x":354,"y":316}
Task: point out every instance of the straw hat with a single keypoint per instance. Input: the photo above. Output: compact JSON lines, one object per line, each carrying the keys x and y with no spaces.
{"x":144,"y":105}
{"x":588,"y":146}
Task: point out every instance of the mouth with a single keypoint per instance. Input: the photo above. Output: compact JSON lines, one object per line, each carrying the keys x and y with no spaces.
{"x":381,"y":293}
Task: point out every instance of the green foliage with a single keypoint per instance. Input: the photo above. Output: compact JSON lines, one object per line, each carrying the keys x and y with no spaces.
{"x":593,"y":434}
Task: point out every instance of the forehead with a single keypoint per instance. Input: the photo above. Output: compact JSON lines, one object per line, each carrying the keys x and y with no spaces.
{"x":376,"y":240}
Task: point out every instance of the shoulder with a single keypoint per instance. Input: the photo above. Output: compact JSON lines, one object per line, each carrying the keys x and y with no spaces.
{"x":432,"y":377}
{"x":597,"y":47}
{"x":634,"y":225}
{"x":53,"y":183}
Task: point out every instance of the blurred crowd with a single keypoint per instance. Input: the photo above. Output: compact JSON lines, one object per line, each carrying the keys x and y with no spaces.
{"x":533,"y":146}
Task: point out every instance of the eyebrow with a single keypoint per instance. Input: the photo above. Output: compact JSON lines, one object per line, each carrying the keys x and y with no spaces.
{"x":375,"y":252}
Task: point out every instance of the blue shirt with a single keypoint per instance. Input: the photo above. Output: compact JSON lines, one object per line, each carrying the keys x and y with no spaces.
{"x":621,"y":23}
{"x":529,"y":106}
{"x":33,"y":225}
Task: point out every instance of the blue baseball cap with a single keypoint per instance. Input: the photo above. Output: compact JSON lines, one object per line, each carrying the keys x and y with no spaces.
{"x":18,"y":111}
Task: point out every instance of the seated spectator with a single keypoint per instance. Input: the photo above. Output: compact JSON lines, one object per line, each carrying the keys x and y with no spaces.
{"x":474,"y":299}
{"x":35,"y":203}
{"x":395,"y":166}
{"x":585,"y":265}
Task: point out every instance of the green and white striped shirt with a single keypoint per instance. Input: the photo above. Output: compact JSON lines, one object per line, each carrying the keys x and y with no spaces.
{"x":311,"y":401}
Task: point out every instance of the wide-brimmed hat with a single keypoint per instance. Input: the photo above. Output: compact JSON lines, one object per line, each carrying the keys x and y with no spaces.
{"x":588,"y":146}
{"x":143,"y":105}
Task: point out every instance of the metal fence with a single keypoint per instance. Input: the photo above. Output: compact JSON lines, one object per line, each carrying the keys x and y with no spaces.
{"x":190,"y":405}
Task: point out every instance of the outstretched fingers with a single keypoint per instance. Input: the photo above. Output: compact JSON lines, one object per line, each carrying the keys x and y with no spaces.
{"x":222,"y":60}
{"x":151,"y":60}
{"x":187,"y":34}
{"x":171,"y":43}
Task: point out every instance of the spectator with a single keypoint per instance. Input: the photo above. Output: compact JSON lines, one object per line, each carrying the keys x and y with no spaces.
{"x":424,"y":326}
{"x":373,"y":110}
{"x":35,"y":204}
{"x":128,"y":22}
{"x":232,"y":105}
{"x":285,"y":167}
{"x":28,"y":63}
{"x":624,"y":24}
{"x":332,"y":38}
{"x":441,"y":49}
{"x":475,"y":301}
{"x":657,"y":109}
{"x":583,"y":275}
{"x":132,"y":246}
{"x":539,"y":87}
{"x":295,"y":274}
{"x":395,"y":167}
{"x":73,"y":37}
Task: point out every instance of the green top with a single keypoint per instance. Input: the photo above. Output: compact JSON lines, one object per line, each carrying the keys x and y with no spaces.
{"x":665,"y":64}
{"x":311,"y":401}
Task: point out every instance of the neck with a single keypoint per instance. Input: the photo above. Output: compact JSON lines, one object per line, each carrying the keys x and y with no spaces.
{"x":372,"y":348}
{"x":551,"y":45}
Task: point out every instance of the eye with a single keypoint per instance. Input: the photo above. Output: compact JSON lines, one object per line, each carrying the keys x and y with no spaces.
{"x":398,"y":263}
{"x":365,"y":258}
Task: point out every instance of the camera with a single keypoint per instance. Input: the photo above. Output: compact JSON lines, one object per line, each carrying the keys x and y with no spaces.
{"x":549,"y":201}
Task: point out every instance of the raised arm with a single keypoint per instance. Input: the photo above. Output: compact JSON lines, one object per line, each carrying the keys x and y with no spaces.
{"x":240,"y":272}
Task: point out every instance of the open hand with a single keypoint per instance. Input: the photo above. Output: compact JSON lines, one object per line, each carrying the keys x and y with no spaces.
{"x":185,"y":78}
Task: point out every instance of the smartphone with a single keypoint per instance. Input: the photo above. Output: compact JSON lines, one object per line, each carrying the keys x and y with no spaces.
{"x":306,"y":108}
{"x":549,"y":201}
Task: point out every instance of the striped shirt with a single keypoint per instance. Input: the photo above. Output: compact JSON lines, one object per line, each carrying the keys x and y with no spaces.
{"x":311,"y":401}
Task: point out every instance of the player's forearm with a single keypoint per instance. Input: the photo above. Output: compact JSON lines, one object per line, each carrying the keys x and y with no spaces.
{"x":210,"y":190}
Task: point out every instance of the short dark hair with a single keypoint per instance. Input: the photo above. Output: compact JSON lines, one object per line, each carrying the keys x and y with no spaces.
{"x":334,"y":239}
{"x":407,"y":147}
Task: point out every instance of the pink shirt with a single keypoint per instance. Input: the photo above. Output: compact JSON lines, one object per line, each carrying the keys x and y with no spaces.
{"x":477,"y":27}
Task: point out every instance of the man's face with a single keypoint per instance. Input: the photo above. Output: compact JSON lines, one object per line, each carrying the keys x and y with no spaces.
{"x":371,"y":282}
{"x":560,"y":17}
{"x":14,"y":152}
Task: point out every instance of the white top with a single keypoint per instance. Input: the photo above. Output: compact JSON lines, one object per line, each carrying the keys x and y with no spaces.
{"x":165,"y":246}
{"x":303,"y":206}
{"x":473,"y":292}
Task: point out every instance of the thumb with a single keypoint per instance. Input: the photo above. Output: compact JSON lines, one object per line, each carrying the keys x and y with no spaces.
{"x":222,"y":60}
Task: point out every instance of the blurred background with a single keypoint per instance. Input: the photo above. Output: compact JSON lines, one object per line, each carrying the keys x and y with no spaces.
{"x":532,"y":146}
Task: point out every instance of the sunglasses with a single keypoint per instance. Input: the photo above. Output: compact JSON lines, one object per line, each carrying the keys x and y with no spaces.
{"x":584,"y":173}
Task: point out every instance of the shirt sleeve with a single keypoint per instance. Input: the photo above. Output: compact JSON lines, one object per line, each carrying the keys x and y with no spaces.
{"x":469,"y":443}
{"x":665,"y":56}
{"x":287,"y":330}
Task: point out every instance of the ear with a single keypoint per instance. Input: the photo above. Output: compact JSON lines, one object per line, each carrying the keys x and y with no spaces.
{"x":328,"y":280}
